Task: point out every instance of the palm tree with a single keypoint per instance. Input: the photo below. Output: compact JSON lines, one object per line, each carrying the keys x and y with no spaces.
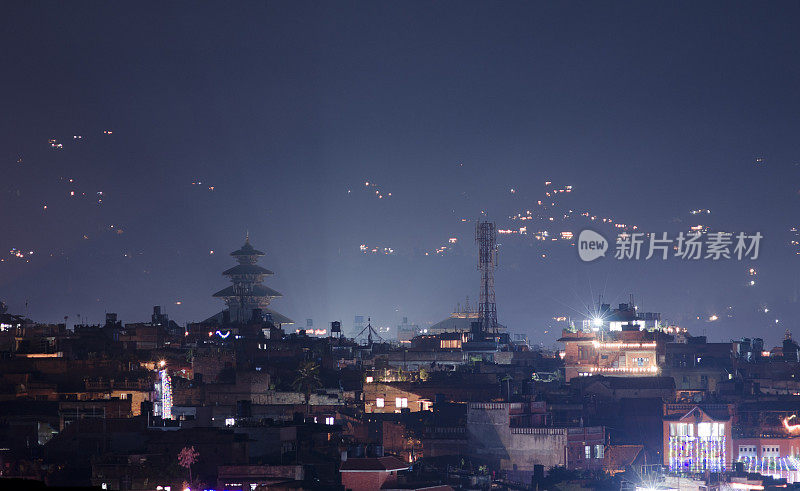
{"x":186,"y":457}
{"x":307,"y":380}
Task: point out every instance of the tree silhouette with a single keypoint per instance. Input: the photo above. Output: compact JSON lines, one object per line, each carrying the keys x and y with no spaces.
{"x":307,"y":380}
{"x":186,"y":457}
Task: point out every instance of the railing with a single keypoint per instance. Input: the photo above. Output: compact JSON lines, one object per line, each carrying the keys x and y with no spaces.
{"x":494,"y":406}
{"x":538,"y":431}
{"x":586,"y":429}
{"x":689,"y":407}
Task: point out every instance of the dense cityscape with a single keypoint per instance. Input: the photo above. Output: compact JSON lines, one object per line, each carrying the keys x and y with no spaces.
{"x":249,"y":400}
{"x":355,"y":246}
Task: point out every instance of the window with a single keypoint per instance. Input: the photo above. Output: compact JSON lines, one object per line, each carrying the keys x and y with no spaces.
{"x":598,"y":451}
{"x":711,"y":429}
{"x":369,"y":379}
{"x":401,"y":402}
{"x":681,"y":429}
{"x":587,"y":450}
{"x":449,"y":343}
{"x":329,"y":420}
{"x":379,"y":402}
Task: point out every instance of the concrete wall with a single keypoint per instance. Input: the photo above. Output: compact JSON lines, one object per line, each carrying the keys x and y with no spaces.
{"x":491,"y":438}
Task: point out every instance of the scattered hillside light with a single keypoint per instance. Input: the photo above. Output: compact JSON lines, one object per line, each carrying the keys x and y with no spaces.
{"x":230,"y":421}
{"x":162,"y":363}
{"x":752,"y":282}
{"x":713,"y":318}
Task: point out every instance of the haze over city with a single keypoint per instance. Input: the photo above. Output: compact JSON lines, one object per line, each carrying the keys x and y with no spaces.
{"x":353,"y":142}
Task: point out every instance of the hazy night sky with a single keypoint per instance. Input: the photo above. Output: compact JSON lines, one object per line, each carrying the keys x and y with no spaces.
{"x":648,"y":110}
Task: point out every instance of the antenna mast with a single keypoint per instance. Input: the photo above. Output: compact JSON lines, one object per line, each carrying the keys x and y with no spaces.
{"x":486,"y":238}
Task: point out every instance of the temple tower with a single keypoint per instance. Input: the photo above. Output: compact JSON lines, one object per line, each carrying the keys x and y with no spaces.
{"x":247,"y":292}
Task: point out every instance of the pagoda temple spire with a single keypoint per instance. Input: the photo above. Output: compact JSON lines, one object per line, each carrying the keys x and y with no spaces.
{"x":247,"y":292}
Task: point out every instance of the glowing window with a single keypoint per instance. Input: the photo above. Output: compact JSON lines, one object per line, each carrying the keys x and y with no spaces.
{"x":379,"y":402}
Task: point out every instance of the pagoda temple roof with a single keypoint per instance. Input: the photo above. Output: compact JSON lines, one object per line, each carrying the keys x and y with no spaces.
{"x":247,"y":250}
{"x":277,"y":317}
{"x":247,"y":269}
{"x":258,"y":291}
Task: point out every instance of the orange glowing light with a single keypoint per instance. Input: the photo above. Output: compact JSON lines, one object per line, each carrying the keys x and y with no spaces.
{"x":790,"y":427}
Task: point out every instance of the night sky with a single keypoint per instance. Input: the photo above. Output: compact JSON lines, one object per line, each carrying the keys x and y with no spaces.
{"x":648,"y":110}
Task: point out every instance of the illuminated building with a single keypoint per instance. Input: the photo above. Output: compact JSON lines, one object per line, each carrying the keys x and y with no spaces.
{"x":767,"y":437}
{"x":247,"y":295}
{"x":697,"y":438}
{"x":163,"y":405}
{"x":616,"y":342}
{"x":623,"y":317}
{"x":624,"y":353}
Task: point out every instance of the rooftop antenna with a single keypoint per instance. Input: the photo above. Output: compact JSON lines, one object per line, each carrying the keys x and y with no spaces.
{"x":486,"y":238}
{"x":370,"y":331}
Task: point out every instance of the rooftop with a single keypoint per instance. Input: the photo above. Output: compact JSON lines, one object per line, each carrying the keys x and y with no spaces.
{"x":257,"y":291}
{"x":381,"y":464}
{"x":247,"y":269}
{"x":247,"y":250}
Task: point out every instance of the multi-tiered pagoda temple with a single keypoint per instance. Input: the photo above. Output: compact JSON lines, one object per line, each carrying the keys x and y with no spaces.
{"x":247,"y":294}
